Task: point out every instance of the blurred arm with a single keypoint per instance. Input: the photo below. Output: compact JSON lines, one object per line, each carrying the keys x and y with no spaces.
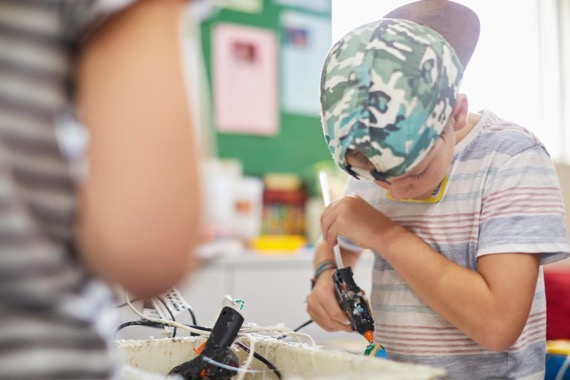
{"x":140,"y":203}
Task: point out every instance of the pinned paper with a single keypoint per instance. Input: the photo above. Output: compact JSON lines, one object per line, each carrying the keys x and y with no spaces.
{"x":245,"y":80}
{"x":248,"y":6}
{"x":306,"y":40}
{"x":315,"y":5}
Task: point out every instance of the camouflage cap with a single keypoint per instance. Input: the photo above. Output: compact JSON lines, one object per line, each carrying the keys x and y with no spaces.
{"x":388,"y":89}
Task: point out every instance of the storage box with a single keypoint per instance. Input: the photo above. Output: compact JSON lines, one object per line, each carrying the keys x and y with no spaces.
{"x":295,"y":361}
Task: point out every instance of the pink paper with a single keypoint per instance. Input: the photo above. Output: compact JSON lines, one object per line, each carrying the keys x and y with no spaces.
{"x":245,"y":80}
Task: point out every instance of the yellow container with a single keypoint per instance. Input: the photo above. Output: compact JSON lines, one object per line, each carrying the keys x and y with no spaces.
{"x":278,"y":244}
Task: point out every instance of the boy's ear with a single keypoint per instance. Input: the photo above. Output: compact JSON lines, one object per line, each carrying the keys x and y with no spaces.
{"x":460,"y":112}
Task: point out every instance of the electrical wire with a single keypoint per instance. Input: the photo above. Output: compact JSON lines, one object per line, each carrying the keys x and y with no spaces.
{"x":250,"y":356}
{"x":297,"y":329}
{"x":171,"y":315}
{"x":242,"y":346}
{"x":261,"y":359}
{"x":243,"y":330}
{"x":192,"y":315}
{"x":125,"y":303}
{"x":247,"y":332}
{"x":170,"y":323}
{"x":139,"y":323}
{"x":244,"y":369}
{"x":153,"y":324}
{"x":188,"y":308}
{"x":303,"y":325}
{"x":239,"y":370}
{"x":278,"y":329}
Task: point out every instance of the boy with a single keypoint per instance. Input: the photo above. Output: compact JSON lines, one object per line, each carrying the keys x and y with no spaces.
{"x":460,"y":209}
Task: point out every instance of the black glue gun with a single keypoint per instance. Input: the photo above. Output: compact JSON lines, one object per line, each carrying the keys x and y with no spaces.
{"x":216,"y":359}
{"x":351,"y":300}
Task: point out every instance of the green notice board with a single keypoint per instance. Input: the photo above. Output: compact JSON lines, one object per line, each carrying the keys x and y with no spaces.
{"x":299,"y":143}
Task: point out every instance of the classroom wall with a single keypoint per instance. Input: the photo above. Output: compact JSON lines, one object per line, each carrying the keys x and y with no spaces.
{"x":302,"y":32}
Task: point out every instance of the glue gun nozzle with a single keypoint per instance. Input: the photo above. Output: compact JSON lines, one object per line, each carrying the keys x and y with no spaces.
{"x":369,"y":335}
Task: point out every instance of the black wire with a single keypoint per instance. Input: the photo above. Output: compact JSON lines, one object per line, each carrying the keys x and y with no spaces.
{"x":142,"y":322}
{"x":297,"y":329}
{"x":148,"y":323}
{"x":190,"y":311}
{"x":261,"y":359}
{"x":170,"y":313}
{"x":304,"y":325}
{"x":154,"y":324}
{"x":194,"y":322}
{"x":199,"y":327}
{"x":192,"y":315}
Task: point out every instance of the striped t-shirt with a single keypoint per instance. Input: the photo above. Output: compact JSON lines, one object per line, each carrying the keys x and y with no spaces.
{"x":50,"y":308}
{"x":502,"y":196}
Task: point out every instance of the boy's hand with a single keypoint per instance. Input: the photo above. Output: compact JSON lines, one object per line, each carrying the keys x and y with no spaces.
{"x":353,"y":218}
{"x":323,"y":307}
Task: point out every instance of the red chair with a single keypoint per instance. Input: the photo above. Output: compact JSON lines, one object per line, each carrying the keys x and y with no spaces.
{"x":557,"y":289}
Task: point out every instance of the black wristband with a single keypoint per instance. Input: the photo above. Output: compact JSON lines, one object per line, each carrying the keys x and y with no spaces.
{"x":322,"y":267}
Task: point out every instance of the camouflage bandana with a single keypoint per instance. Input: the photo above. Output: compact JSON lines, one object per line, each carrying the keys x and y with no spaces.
{"x":388,"y":89}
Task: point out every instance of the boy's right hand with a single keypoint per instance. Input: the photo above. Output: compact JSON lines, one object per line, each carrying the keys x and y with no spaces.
{"x":323,"y":307}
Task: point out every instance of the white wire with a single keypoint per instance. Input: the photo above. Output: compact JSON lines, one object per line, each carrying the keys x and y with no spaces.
{"x":246,"y":332}
{"x":250,"y":357}
{"x":164,"y":321}
{"x":324,"y":181}
{"x":278,"y":329}
{"x":306,"y":336}
{"x":231,"y":368}
{"x":243,"y":330}
{"x":297,"y":335}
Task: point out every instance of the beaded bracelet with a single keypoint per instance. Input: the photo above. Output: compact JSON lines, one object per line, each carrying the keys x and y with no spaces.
{"x":322,"y":267}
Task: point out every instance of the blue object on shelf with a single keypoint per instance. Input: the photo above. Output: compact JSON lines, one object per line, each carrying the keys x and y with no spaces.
{"x":557,"y":367}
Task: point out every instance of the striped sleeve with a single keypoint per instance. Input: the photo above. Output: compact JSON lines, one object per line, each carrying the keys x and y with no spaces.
{"x":53,"y":313}
{"x":522,"y":207}
{"x":80,"y":17}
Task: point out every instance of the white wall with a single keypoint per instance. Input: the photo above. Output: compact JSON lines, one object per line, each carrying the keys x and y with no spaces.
{"x":513,"y":71}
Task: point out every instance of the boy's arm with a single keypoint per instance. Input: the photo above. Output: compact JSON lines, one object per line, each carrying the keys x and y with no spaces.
{"x":139,"y":205}
{"x":490,"y":305}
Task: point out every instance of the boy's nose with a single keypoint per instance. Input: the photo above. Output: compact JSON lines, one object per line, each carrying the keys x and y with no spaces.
{"x":400,"y":193}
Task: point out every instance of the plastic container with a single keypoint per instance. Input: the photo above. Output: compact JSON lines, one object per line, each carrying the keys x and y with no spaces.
{"x":283,"y":212}
{"x":278,"y":244}
{"x":294,"y":361}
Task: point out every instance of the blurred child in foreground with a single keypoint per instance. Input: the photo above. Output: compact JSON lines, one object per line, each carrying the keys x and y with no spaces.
{"x":132,"y":219}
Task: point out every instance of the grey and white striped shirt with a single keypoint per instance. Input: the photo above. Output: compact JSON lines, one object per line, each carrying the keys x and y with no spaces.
{"x":49,"y":306}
